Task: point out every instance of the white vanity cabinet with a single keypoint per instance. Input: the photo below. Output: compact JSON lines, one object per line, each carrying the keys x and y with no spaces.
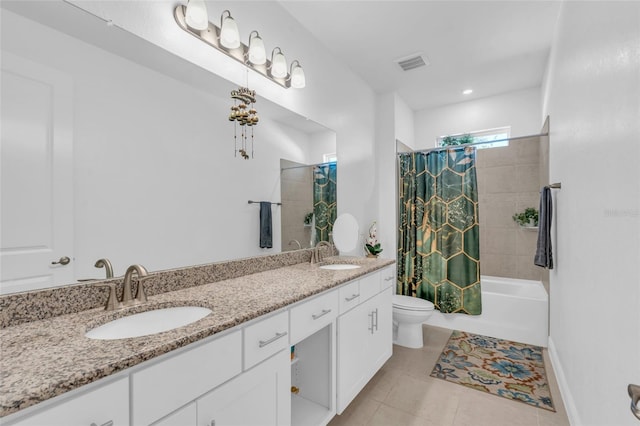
{"x":326,"y":347}
{"x":100,"y":405}
{"x":180,"y":378}
{"x":364,"y":337}
{"x":259,"y":396}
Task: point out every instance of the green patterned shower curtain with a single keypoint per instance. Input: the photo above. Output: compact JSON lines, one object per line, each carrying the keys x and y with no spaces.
{"x":438,"y":234}
{"x":324,"y":200}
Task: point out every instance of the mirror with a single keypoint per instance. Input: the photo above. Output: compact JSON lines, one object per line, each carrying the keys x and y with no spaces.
{"x":309,"y":203}
{"x":152,"y":176}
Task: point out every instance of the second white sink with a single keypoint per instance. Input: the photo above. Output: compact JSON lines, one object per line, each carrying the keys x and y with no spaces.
{"x":149,"y":322}
{"x":339,"y":266}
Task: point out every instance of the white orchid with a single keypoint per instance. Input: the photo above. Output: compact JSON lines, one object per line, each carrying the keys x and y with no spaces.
{"x":372,"y":245}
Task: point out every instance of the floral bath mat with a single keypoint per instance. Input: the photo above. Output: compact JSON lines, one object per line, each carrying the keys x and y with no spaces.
{"x":508,"y":369}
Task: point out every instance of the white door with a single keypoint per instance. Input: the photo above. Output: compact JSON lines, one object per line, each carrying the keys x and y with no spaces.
{"x":36,"y":176}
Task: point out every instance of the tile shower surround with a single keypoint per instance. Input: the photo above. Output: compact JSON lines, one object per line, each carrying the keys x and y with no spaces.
{"x":45,"y":352}
{"x":509,"y":180}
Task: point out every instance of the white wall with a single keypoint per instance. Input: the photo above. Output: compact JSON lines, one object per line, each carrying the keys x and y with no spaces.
{"x":394,"y":121}
{"x":156,"y":181}
{"x":520,"y":110}
{"x":592,"y":95}
{"x":321,"y":143}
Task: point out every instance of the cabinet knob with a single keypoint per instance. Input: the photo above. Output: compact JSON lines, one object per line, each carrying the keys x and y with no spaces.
{"x":109,"y":423}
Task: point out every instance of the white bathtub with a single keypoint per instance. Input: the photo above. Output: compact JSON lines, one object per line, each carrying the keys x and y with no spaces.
{"x":512,"y":309}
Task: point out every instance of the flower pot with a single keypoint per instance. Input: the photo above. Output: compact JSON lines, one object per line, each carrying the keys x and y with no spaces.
{"x":373,"y":256}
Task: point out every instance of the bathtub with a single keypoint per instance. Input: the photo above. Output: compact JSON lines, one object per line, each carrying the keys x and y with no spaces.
{"x":512,"y":309}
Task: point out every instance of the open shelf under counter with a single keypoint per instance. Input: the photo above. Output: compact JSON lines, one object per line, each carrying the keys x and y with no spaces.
{"x":305,"y":412}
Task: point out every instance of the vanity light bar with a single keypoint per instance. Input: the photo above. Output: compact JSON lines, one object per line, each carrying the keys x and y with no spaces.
{"x":211,"y":36}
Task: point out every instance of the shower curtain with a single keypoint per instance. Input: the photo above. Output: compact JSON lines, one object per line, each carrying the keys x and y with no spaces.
{"x":324,"y":200}
{"x":438,"y":234}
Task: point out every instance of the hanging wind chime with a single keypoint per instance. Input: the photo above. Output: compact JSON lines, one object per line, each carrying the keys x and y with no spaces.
{"x":244,"y":114}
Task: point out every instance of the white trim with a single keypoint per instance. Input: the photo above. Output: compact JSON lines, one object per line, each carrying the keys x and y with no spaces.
{"x":565,"y":392}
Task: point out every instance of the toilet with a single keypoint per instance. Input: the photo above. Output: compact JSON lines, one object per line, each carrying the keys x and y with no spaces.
{"x":408,"y":315}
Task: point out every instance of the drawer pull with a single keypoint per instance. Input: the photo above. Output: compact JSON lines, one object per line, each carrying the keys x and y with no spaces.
{"x":321,"y":314}
{"x":371,"y":322}
{"x":389,"y":278}
{"x":353,"y":296}
{"x":264,"y":343}
{"x":375,"y":324}
{"x":109,"y":423}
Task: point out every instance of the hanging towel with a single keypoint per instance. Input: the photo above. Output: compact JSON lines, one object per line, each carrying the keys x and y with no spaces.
{"x":544,"y":255}
{"x":266,"y":238}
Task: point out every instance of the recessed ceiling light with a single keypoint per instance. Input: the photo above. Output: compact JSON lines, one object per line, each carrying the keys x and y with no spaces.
{"x":467,"y":91}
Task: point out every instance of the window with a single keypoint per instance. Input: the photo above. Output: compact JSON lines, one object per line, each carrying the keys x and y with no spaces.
{"x":499,"y":135}
{"x":330,"y":158}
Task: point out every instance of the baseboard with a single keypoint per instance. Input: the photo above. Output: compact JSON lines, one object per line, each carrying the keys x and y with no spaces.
{"x":565,"y":392}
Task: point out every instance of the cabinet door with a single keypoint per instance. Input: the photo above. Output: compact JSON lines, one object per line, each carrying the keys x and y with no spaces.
{"x":364,"y":345}
{"x":381,"y":346}
{"x":260,"y":396}
{"x":354,"y":329}
{"x":108,"y":403}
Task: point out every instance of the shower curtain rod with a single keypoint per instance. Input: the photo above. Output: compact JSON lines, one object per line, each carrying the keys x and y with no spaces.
{"x":440,"y":148}
{"x":309,"y":165}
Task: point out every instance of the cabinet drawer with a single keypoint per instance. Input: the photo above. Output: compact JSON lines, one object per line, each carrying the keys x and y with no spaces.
{"x":265,"y":338}
{"x":369,"y":286}
{"x":98,"y":405}
{"x":166,"y":386}
{"x":388,"y":278}
{"x":349,"y":296}
{"x":311,"y":316}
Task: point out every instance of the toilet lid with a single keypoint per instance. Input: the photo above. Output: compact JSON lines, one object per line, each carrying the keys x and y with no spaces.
{"x":411,"y":303}
{"x":345,"y":233}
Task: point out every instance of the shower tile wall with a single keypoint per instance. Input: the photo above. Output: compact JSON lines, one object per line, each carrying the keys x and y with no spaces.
{"x":296,"y":192}
{"x":508,"y":182}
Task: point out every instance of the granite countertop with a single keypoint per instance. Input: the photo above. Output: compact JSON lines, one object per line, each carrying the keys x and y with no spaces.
{"x":43,"y":359}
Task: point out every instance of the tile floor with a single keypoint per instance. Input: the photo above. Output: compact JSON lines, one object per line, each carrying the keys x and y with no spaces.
{"x":403,"y":394}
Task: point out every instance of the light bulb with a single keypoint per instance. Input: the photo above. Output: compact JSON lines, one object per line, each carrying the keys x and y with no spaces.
{"x":257,"y":54}
{"x":229,"y":34}
{"x":196,"y":15}
{"x":297,"y":76}
{"x":278,"y":64}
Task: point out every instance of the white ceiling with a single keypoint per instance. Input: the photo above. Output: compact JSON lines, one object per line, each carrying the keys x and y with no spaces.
{"x":492,"y":47}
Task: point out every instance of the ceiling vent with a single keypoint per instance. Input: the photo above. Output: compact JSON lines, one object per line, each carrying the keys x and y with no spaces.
{"x":412,"y":62}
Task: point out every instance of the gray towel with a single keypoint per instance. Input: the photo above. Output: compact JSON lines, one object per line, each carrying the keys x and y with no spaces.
{"x":266,"y":238}
{"x":544,"y":255}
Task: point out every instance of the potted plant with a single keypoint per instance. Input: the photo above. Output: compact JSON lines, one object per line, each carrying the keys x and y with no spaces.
{"x":308,"y":218}
{"x":372,"y":245}
{"x":528,"y":218}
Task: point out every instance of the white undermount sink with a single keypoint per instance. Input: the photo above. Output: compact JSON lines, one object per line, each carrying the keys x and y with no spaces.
{"x":149,"y":322}
{"x":339,"y":266}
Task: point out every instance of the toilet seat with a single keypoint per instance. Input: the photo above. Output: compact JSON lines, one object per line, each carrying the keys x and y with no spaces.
{"x":409,"y":303}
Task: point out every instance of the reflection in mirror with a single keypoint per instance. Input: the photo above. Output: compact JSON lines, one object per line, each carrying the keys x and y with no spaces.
{"x":151,"y":176}
{"x":309,"y":206}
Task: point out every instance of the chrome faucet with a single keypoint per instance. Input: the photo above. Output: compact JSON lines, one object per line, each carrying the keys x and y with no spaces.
{"x":296,"y":242}
{"x":316,"y":254}
{"x":100,"y":263}
{"x":141,"y":297}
